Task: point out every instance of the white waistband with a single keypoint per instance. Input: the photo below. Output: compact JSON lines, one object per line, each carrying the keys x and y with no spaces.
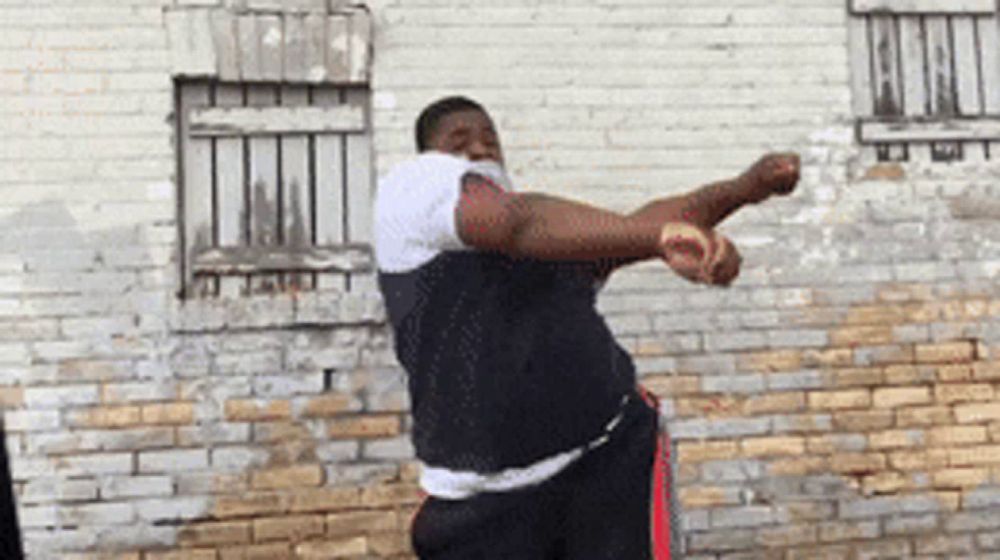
{"x":457,"y":485}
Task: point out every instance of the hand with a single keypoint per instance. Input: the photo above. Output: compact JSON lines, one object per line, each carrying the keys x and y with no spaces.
{"x":771,"y":175}
{"x":698,"y":255}
{"x":725,"y":264}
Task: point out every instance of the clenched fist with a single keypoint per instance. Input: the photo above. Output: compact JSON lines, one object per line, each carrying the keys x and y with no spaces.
{"x":699,"y":255}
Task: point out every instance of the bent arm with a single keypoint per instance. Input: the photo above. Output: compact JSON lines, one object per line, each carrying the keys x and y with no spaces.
{"x":549,"y":228}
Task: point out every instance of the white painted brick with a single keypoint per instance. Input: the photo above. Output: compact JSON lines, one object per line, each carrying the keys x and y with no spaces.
{"x":46,"y":490}
{"x":94,"y":464}
{"x":97,"y":514}
{"x":136,"y":536}
{"x":173,"y":461}
{"x":31,"y":420}
{"x":238,"y":458}
{"x":37,"y":516}
{"x":213,"y":433}
{"x":117,"y":487}
{"x":61,"y":396}
{"x":173,"y":509}
{"x":113,"y":393}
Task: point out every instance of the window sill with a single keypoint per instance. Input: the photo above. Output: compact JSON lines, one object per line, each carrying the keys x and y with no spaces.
{"x":282,"y":311}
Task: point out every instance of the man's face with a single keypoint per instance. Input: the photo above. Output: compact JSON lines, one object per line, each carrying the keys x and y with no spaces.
{"x":469,"y":134}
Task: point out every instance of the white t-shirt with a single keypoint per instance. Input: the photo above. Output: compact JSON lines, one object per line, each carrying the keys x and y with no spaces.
{"x":415,"y":208}
{"x":414,"y":222}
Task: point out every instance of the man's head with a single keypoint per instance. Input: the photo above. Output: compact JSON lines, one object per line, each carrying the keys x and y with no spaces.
{"x":459,"y":126}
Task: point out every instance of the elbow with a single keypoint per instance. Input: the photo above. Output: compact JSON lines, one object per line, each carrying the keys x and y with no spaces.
{"x":501,"y":230}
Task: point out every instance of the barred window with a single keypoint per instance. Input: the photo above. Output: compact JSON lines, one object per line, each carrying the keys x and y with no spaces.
{"x":274,"y":146}
{"x":926,"y":78}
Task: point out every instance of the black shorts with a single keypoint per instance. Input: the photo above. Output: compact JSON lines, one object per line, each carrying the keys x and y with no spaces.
{"x":605,"y":506}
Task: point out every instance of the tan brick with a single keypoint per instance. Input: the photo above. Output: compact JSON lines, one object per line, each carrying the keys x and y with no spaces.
{"x":269,"y":551}
{"x":831,"y":552}
{"x":387,"y":495}
{"x":295,"y":476}
{"x":994,"y":429}
{"x":215,"y":533}
{"x":11,"y":397}
{"x":773,"y":446}
{"x":326,"y":499}
{"x":368,"y":426}
{"x":101,"y":556}
{"x":798,"y":466}
{"x":325,"y":550}
{"x":409,"y":471}
{"x":956,"y":435}
{"x":714,"y":407}
{"x":857,"y":463}
{"x":827,"y":358}
{"x":772,"y":361}
{"x":923,"y":416}
{"x":884,"y":483}
{"x":186,"y":554}
{"x":828,"y":444}
{"x":983,"y":371}
{"x":945,"y":353}
{"x":922,"y":460}
{"x":839,"y":400}
{"x":949,"y":393}
{"x":905,"y":292}
{"x":875,"y":315}
{"x":893,"y":397}
{"x":327,"y":406}
{"x":360,"y":522}
{"x":281,"y":432}
{"x":973,"y":456}
{"x":984,"y":412}
{"x":960,"y":478}
{"x":666,"y":386}
{"x":688,"y":473}
{"x":290,"y":527}
{"x":789,"y":535}
{"x":836,"y":531}
{"x":249,"y":505}
{"x":896,"y":439}
{"x":805,"y":423}
{"x":861,"y":336}
{"x":697,"y":452}
{"x":955,"y":373}
{"x":390,"y":544}
{"x":863,"y":420}
{"x":245,"y":410}
{"x":175,"y":414}
{"x":775,"y":403}
{"x":976,"y":308}
{"x":948,"y":500}
{"x":856,"y":377}
{"x":106,"y":417}
{"x":908,"y":374}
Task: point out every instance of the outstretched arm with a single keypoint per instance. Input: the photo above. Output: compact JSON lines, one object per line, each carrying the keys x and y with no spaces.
{"x":550,"y":228}
{"x":708,"y":206}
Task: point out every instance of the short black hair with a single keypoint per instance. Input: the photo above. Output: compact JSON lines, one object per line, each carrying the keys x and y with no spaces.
{"x":430,"y":117}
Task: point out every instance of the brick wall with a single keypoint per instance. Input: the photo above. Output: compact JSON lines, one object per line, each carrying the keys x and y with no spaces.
{"x":841,"y":399}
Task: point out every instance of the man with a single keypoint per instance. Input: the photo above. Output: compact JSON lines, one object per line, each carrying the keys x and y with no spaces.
{"x":10,"y":532}
{"x":535,"y":440}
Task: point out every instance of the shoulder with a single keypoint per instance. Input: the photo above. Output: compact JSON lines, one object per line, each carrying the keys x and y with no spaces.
{"x":426,"y":171}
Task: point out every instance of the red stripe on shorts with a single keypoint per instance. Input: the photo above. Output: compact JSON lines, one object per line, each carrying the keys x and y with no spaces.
{"x":660,"y":507}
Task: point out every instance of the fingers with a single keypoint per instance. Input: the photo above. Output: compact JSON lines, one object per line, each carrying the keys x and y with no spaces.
{"x":699,"y":256}
{"x":725,"y":264}
{"x":682,"y":237}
